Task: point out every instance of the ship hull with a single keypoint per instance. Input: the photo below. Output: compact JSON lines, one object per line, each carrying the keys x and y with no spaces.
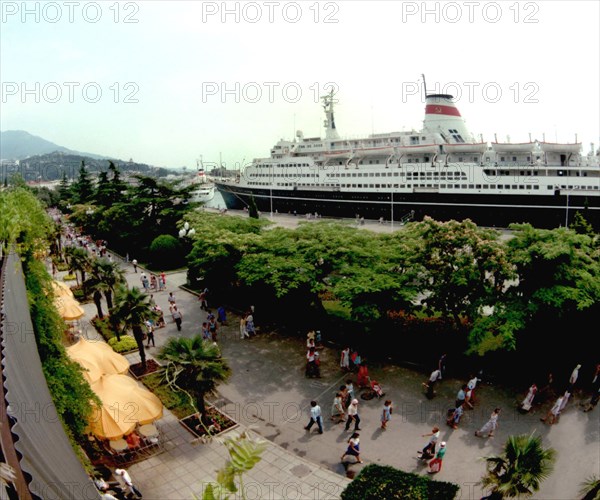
{"x":492,"y":210}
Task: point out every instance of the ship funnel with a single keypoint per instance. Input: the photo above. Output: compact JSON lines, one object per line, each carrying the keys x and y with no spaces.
{"x":442,"y":116}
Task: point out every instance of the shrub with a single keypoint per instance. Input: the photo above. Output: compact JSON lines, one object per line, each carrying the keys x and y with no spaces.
{"x":103,"y":327}
{"x":385,"y":483}
{"x":126,"y":344}
{"x":176,"y":401}
{"x":166,"y":252}
{"x":68,"y":277}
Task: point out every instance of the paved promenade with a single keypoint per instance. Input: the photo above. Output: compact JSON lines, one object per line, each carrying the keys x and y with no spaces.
{"x":269,"y":394}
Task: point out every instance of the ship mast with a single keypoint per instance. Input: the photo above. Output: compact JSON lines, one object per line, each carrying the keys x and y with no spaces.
{"x":328,"y":102}
{"x":424,"y":85}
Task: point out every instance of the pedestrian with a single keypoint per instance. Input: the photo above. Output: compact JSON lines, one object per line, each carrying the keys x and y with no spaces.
{"x":596,"y":378}
{"x":565,"y":400}
{"x":250,"y":330}
{"x":177,"y":317}
{"x":461,"y":395}
{"x":162,"y":282}
{"x":222,"y":315}
{"x":386,"y":414}
{"x":490,"y":426}
{"x":349,"y":392}
{"x":243,"y":331}
{"x":345,"y":360}
{"x":355,"y":360}
{"x":203,"y":298}
{"x":145,"y":282}
{"x":436,"y":464}
{"x":363,"y":375}
{"x":212,"y":327}
{"x":471,"y":384}
{"x":315,"y":416}
{"x":310,"y":340}
{"x":205,"y":332}
{"x":171,"y":299}
{"x":554,"y":412}
{"x":312,"y":363}
{"x":454,"y":417}
{"x":134,"y":262}
{"x":430,"y":384}
{"x":127,"y":480}
{"x":353,"y":447}
{"x":337,"y":408}
{"x":353,"y":416}
{"x":429,"y":449}
{"x":153,"y":283}
{"x":442,"y":365}
{"x":593,"y":401}
{"x":528,"y":401}
{"x":573,"y":378}
{"x":150,"y":333}
{"x":160,"y":323}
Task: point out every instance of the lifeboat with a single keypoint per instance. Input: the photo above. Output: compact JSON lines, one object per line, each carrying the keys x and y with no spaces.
{"x":553,"y":147}
{"x":381,"y":151}
{"x":419,"y":149}
{"x":509,"y":147}
{"x":479,"y":147}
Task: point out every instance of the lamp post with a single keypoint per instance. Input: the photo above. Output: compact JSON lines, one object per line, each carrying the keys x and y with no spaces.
{"x":567,"y":212}
{"x":186,"y":231}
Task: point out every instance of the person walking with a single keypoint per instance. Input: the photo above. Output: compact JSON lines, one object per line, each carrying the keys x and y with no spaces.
{"x":250,"y":330}
{"x":150,"y":333}
{"x":430,"y":384}
{"x":345,"y":360}
{"x":162,"y":282}
{"x":353,"y":416}
{"x":337,"y":409}
{"x":436,"y":464}
{"x":222,"y":315}
{"x":573,"y":378}
{"x":471,"y":384}
{"x":205,"y":331}
{"x":243,"y":332}
{"x":554,"y":412}
{"x":134,"y":263}
{"x":461,"y":396}
{"x":528,"y":401}
{"x":171,"y":299}
{"x":127,"y":480}
{"x":455,"y":416}
{"x":386,"y":414}
{"x":353,"y":447}
{"x":349,"y":392}
{"x":312,"y":363}
{"x":177,"y":317}
{"x":429,"y":449}
{"x":315,"y":416}
{"x":490,"y":426}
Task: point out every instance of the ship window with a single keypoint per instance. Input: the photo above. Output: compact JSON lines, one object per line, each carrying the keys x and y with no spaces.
{"x":521,"y":187}
{"x":460,"y":158}
{"x":502,"y":158}
{"x":426,"y":159}
{"x":536,"y":187}
{"x":529,"y":158}
{"x":463,"y":186}
{"x":471,"y":186}
{"x":487,"y":158}
{"x":475,"y":158}
{"x":353,"y":175}
{"x":485,"y":186}
{"x":478,"y":186}
{"x":514,"y":158}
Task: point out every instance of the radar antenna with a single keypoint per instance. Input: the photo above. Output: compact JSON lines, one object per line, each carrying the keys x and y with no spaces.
{"x":328,"y":105}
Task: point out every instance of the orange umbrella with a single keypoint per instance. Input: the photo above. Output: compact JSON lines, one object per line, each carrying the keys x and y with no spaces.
{"x":61,"y":289}
{"x":124,"y":404}
{"x":98,"y":358}
{"x":68,"y":308}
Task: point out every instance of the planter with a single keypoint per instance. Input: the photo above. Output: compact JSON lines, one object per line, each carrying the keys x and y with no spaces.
{"x":221,"y":423}
{"x":151,"y":367}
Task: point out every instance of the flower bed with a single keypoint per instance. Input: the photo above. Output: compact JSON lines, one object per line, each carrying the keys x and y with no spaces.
{"x":126,"y":345}
{"x":176,"y":402}
{"x":220,"y":423}
{"x":151,"y":367}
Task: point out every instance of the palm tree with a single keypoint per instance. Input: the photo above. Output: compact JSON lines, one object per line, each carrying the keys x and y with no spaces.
{"x":107,"y":276}
{"x":79,"y":260}
{"x":523,"y":465}
{"x":131,"y":310}
{"x":590,"y":489}
{"x":196,"y":366}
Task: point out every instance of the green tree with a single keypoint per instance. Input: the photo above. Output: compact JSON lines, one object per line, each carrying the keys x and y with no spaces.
{"x":106,"y":277}
{"x":82,"y":189}
{"x":64,"y":190}
{"x":132,"y":309}
{"x":520,"y":469}
{"x":166,"y":252}
{"x":196,"y":366}
{"x":79,"y":261}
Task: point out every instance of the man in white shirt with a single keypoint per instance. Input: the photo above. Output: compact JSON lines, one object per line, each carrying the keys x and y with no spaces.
{"x":315,"y":416}
{"x":127,"y":480}
{"x":353,"y":415}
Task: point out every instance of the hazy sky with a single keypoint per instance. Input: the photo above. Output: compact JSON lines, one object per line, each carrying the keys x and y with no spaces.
{"x":165,"y":82}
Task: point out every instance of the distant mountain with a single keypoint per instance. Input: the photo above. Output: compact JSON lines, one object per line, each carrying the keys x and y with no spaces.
{"x":18,"y":144}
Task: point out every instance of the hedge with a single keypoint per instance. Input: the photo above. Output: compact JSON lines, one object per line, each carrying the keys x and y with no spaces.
{"x":126,"y":344}
{"x":383,"y":482}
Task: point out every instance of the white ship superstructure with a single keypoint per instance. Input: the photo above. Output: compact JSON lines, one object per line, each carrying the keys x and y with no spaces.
{"x":441,"y":171}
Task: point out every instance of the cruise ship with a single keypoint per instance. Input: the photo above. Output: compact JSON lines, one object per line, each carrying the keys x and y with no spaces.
{"x":441,"y":171}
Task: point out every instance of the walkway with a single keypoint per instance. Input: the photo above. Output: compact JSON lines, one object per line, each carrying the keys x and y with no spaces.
{"x":269,"y":393}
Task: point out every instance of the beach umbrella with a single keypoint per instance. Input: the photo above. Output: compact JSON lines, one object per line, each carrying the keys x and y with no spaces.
{"x":125,"y":403}
{"x":61,"y":289}
{"x":68,"y":308}
{"x":98,"y":358}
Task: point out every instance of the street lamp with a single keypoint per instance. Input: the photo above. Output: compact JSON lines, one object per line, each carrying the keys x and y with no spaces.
{"x":186,"y":231}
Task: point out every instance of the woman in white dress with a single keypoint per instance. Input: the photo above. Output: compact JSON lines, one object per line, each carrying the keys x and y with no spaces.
{"x":528,"y":401}
{"x":490,"y":426}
